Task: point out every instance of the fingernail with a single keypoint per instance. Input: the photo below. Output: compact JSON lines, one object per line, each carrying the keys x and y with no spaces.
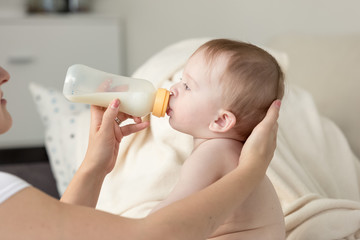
{"x":278,"y":103}
{"x":115,"y":103}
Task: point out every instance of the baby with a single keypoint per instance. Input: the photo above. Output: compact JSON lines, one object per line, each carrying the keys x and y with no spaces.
{"x":225,"y":91}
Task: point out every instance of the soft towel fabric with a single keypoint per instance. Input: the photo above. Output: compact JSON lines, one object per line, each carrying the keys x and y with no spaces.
{"x":315,"y":174}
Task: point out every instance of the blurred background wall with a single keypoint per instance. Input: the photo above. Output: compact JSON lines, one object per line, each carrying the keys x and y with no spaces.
{"x":153,"y":24}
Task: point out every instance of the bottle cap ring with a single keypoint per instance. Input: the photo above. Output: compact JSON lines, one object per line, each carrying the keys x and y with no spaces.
{"x":161,"y":102}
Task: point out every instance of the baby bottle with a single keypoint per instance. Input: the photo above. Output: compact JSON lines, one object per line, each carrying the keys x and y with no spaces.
{"x":138,"y":96}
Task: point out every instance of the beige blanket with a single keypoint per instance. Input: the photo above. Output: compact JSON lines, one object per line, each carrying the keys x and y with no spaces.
{"x":316,"y":175}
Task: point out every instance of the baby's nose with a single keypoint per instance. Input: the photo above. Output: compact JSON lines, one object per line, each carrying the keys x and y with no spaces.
{"x":173,"y":91}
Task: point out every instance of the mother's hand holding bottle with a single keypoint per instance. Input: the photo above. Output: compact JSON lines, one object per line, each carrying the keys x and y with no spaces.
{"x":104,"y":139}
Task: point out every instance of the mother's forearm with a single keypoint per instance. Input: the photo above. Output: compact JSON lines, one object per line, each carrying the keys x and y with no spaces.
{"x":199,"y":215}
{"x":84,"y":188}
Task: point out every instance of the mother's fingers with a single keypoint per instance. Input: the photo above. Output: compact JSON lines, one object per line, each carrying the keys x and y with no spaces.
{"x":269,"y":123}
{"x":133,"y":128}
{"x":110,"y":114}
{"x":261,"y":143}
{"x":268,"y":127}
{"x":96,"y":117}
{"x":124,"y":116}
{"x":272,"y":114}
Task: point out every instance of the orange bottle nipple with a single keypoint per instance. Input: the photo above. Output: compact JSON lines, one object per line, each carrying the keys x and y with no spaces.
{"x":161,"y":102}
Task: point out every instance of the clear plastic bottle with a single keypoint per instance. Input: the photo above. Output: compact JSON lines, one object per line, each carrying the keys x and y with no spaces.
{"x":138,"y":96}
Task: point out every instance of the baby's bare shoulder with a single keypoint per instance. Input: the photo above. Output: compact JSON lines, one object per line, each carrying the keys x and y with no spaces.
{"x":260,"y":217}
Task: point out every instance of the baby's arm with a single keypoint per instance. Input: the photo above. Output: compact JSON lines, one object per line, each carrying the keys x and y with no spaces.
{"x":205,"y":166}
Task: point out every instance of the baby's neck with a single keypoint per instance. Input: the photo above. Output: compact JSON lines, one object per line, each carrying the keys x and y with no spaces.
{"x":225,"y":140}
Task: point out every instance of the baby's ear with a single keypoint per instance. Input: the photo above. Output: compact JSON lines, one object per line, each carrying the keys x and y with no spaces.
{"x":224,"y":122}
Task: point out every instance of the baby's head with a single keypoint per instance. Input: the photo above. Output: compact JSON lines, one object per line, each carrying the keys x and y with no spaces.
{"x":226,"y":89}
{"x":251,"y":80}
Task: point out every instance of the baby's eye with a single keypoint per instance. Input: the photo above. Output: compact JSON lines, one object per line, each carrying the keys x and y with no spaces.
{"x":186,"y":87}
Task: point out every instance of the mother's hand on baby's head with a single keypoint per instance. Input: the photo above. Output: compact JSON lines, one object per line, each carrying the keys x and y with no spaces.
{"x":261,"y":143}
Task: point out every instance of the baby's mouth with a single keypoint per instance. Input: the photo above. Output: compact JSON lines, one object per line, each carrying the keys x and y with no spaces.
{"x":168,"y":110}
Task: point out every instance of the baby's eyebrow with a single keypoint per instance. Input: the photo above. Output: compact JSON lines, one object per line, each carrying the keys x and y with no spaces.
{"x":190,"y":79}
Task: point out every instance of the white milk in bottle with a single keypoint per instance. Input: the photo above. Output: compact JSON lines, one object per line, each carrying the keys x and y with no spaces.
{"x":138,"y":96}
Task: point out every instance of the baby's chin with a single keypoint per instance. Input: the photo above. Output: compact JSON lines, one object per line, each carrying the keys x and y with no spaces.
{"x":179,"y":128}
{"x":173,"y":124}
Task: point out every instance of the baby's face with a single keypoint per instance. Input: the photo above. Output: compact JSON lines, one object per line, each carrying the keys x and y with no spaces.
{"x":196,"y":99}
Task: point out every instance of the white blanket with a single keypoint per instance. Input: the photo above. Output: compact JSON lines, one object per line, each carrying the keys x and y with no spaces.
{"x":316,"y":175}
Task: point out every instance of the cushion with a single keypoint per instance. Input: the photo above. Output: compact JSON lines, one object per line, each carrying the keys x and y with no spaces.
{"x":61,"y":121}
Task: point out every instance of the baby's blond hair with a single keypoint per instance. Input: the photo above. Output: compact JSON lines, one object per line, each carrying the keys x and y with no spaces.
{"x":251,"y":81}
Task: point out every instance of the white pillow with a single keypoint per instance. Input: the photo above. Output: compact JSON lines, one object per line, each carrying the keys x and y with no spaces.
{"x":61,"y":120}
